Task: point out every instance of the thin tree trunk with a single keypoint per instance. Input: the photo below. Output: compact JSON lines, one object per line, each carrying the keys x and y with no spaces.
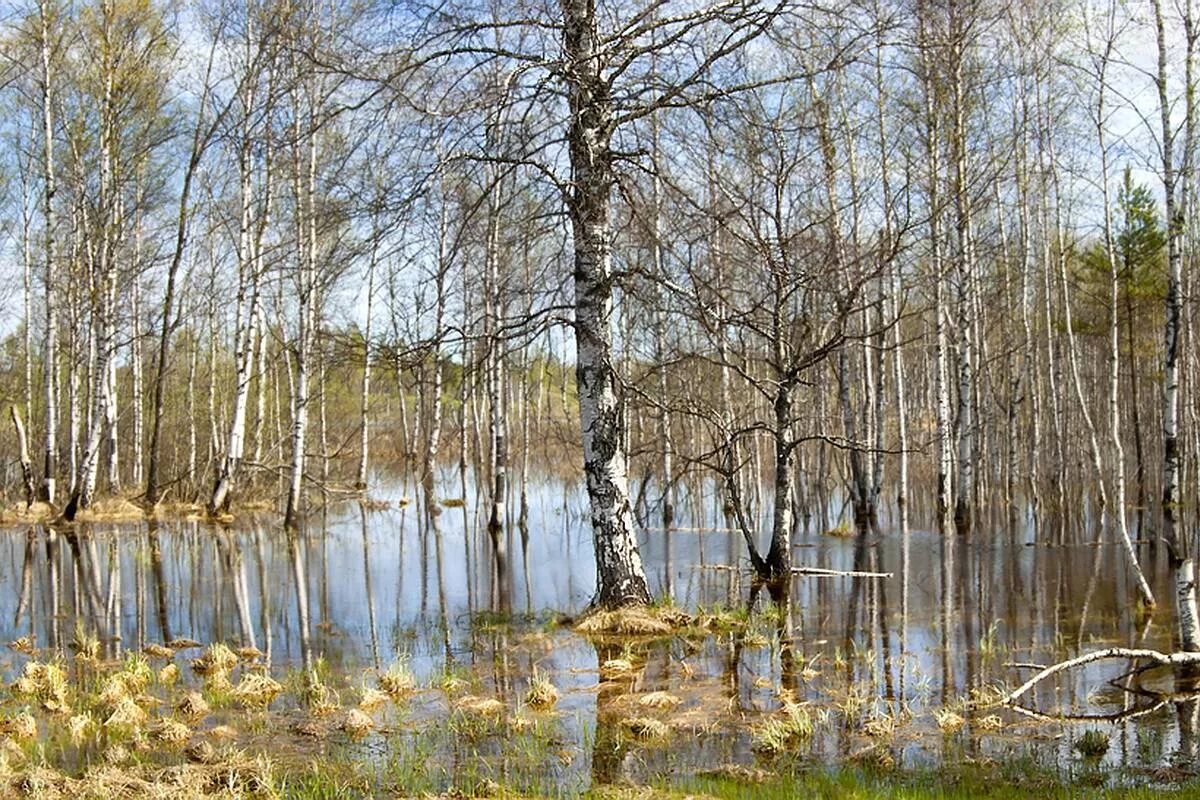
{"x":50,"y":348}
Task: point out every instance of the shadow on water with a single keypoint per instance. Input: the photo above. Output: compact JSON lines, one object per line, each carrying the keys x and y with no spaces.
{"x":882,"y":662}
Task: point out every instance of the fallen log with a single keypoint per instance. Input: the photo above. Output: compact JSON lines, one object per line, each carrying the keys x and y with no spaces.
{"x":1180,"y":659}
{"x":811,"y":572}
{"x":819,"y":572}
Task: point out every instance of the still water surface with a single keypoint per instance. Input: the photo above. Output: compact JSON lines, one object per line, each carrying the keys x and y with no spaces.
{"x":949,"y":624}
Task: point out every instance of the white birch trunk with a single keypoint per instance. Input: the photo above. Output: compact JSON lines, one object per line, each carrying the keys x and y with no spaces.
{"x":620,"y":577}
{"x":50,"y":348}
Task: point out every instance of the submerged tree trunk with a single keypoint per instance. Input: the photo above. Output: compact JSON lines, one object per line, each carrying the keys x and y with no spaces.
{"x":620,"y":577}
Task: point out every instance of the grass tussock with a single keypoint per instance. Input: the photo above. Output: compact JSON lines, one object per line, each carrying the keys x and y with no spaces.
{"x":155,"y":650}
{"x":111,"y":509}
{"x":19,"y":513}
{"x":479,"y":707}
{"x":183,"y":643}
{"x":218,"y":658}
{"x":784,"y":731}
{"x":169,"y":675}
{"x":372,"y":699}
{"x":255,"y":690}
{"x":398,"y":682}
{"x":616,"y":669}
{"x":237,"y":776}
{"x":170,"y":732}
{"x":842,"y":530}
{"x":44,"y":684}
{"x":542,"y":694}
{"x":193,"y":706}
{"x":357,"y":723}
{"x":649,"y":621}
{"x":663,"y":701}
{"x":948,"y":720}
{"x":646,"y":727}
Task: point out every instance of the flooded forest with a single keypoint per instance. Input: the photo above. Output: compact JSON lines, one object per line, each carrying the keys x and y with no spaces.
{"x":612,"y":399}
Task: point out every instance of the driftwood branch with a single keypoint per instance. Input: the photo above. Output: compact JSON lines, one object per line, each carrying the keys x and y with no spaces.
{"x":811,"y":572}
{"x":819,"y":572}
{"x":1123,"y":653}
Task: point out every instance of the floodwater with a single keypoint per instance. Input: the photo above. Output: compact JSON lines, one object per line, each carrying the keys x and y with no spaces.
{"x":879,"y":660}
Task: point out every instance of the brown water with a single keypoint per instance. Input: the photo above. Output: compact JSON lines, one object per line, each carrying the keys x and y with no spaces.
{"x":381,"y":586}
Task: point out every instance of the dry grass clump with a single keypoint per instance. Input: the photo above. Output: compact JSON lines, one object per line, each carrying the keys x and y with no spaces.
{"x":249,"y":653}
{"x":22,"y":726}
{"x":320,"y":699}
{"x":223,"y":732}
{"x":356,"y":723}
{"x":615,"y":668}
{"x":842,"y":530}
{"x":948,"y":720}
{"x":880,"y":726}
{"x":44,"y":683}
{"x":21,"y":513}
{"x":85,"y":645}
{"x":646,"y":727}
{"x":992,"y":722}
{"x":193,"y":706}
{"x":737,"y":773}
{"x":168,"y":675}
{"x":183,"y":643}
{"x":308,"y":727}
{"x":374,"y":504}
{"x":542,"y":693}
{"x":23,"y":645}
{"x":398,"y":681}
{"x":451,"y":684}
{"x":234,"y":777}
{"x":783,"y":731}
{"x":256,"y":691}
{"x":155,"y":650}
{"x":111,"y":509}
{"x":217,"y":658}
{"x":200,"y":752}
{"x":372,"y":699}
{"x":169,"y":731}
{"x":80,"y":726}
{"x":629,"y":621}
{"x":471,"y":705}
{"x":127,"y":715}
{"x":116,"y":754}
{"x":178,"y":509}
{"x":659,"y":700}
